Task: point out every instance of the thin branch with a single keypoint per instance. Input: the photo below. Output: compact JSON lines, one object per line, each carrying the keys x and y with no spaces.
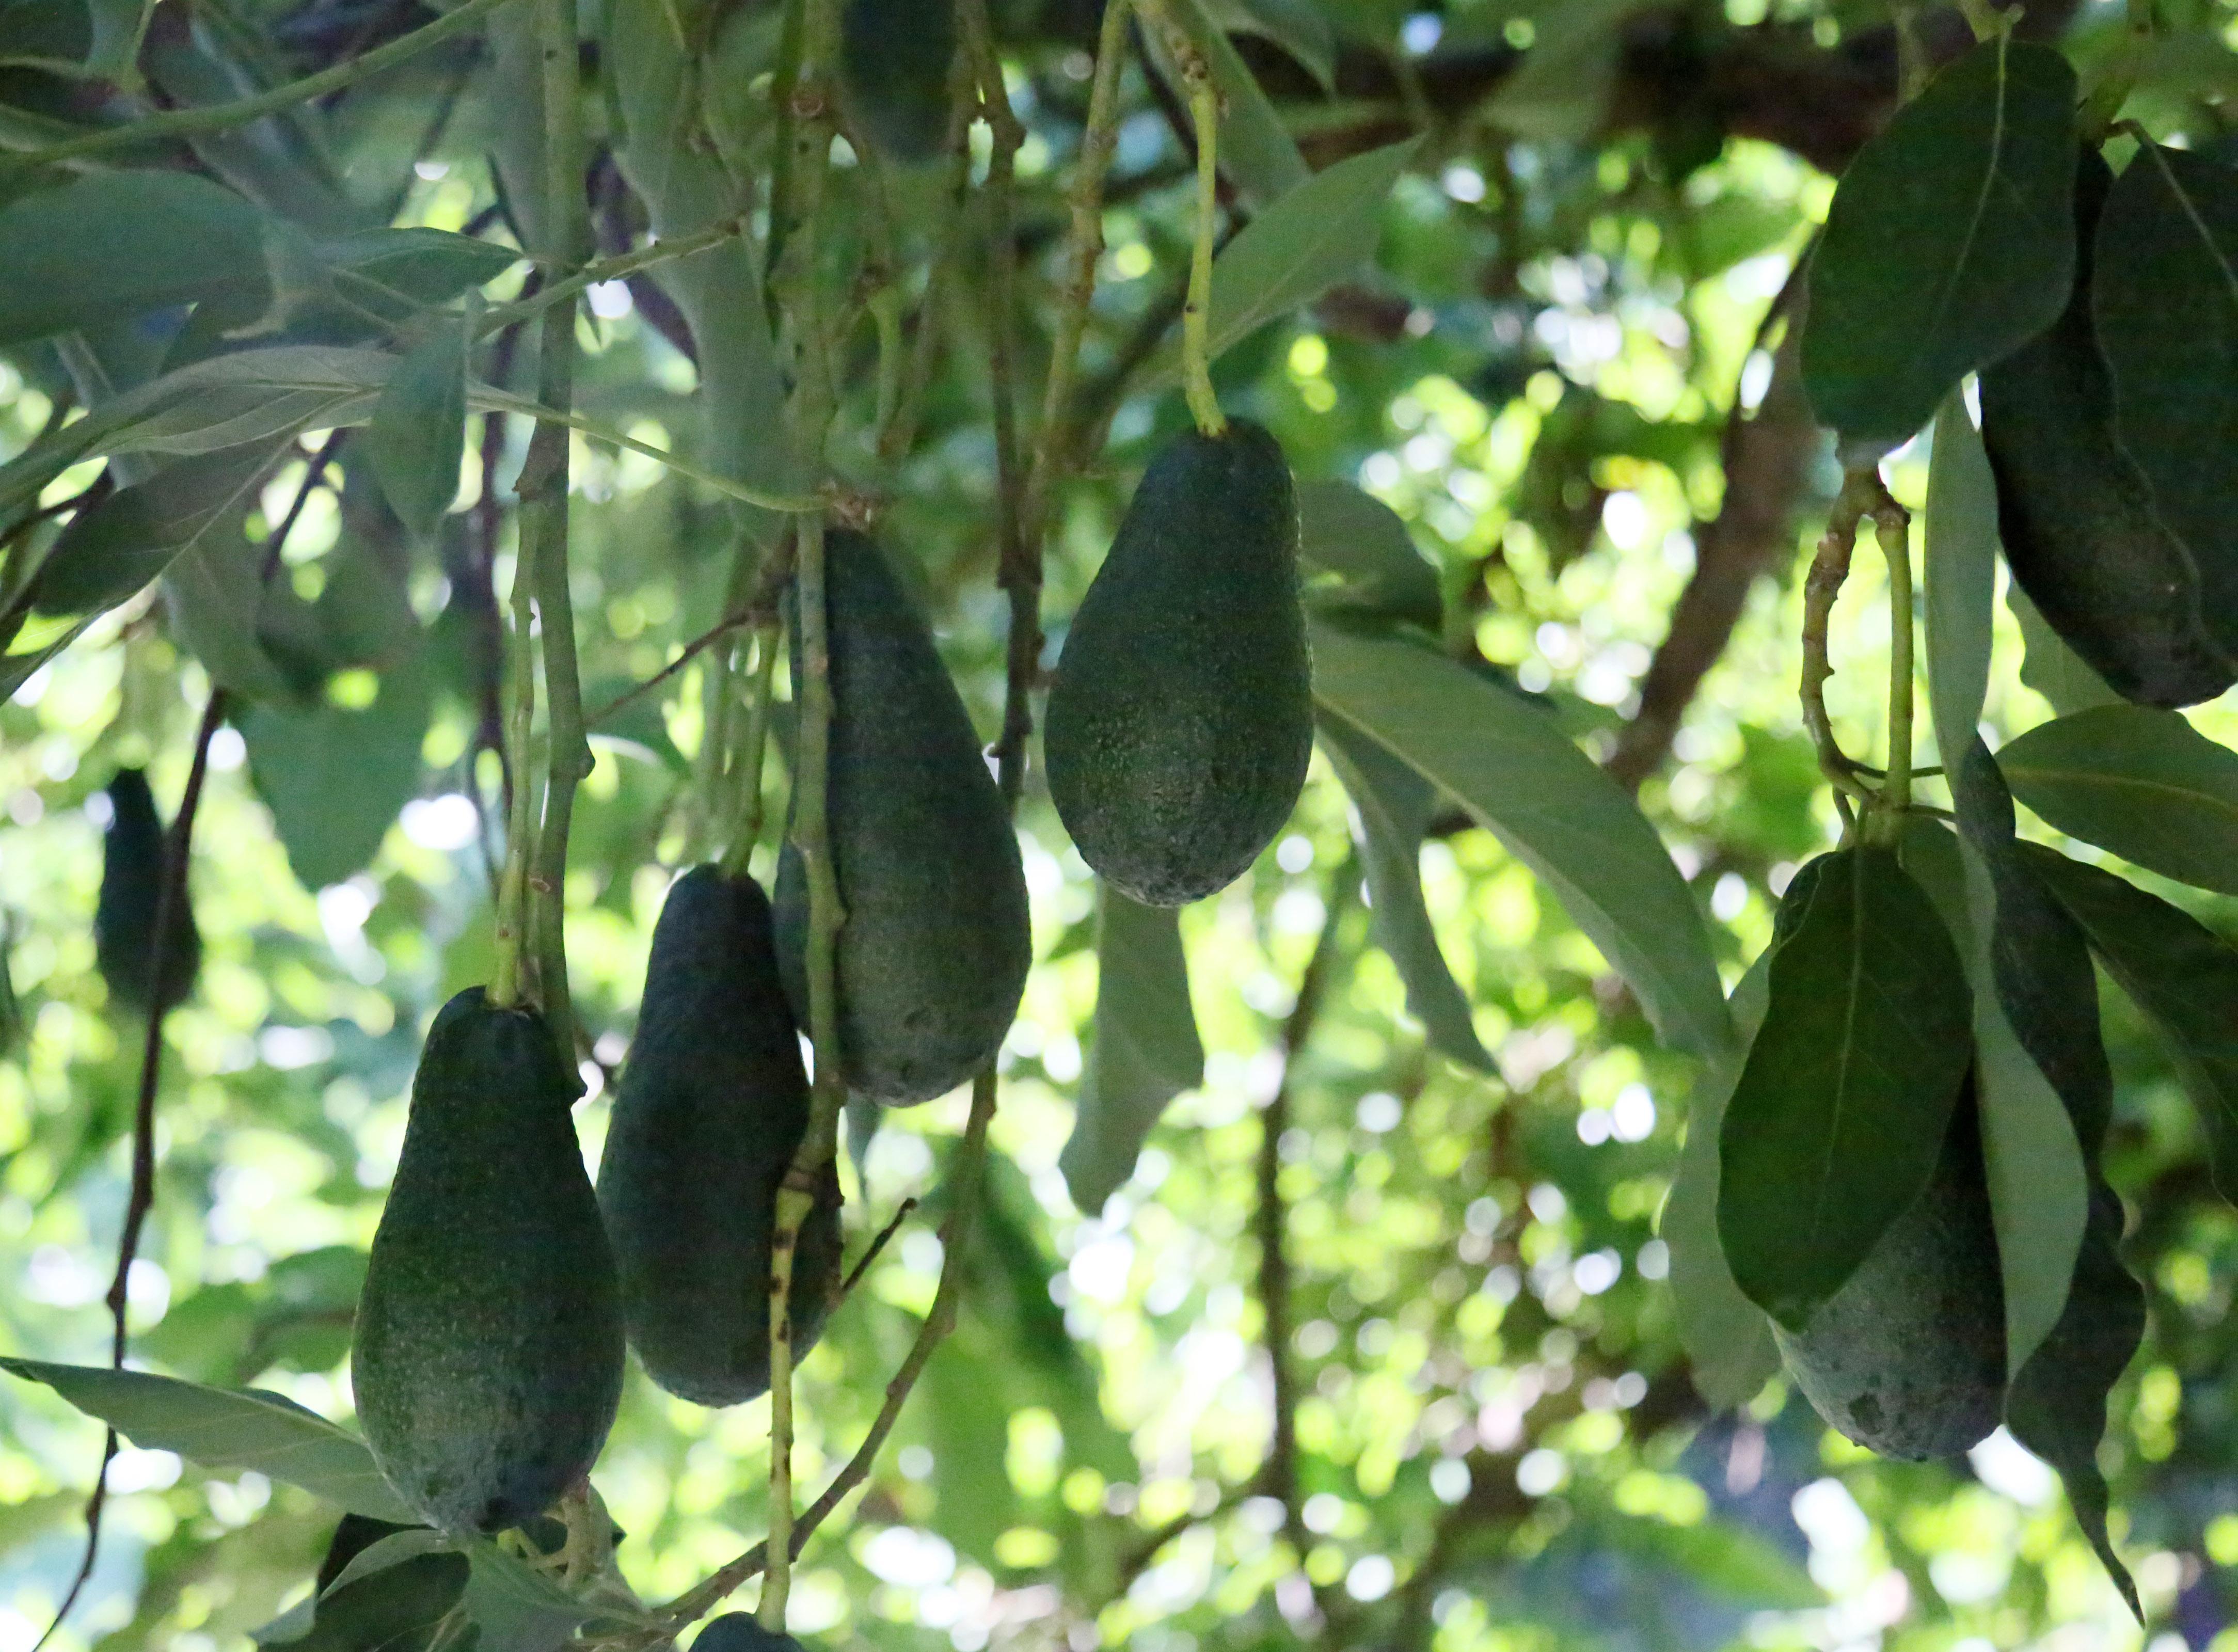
{"x":878,"y":1248}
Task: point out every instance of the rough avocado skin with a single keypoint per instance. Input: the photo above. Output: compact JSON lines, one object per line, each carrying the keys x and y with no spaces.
{"x":737,"y":1632}
{"x":124,"y":914}
{"x":934,"y":952}
{"x":1909,"y":1357}
{"x":894,"y":61}
{"x":1182,"y":719}
{"x":487,"y":1360}
{"x":710,"y":1110}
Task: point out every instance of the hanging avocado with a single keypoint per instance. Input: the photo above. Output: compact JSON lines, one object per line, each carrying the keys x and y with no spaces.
{"x":133,"y":853}
{"x":933,"y":957}
{"x":895,"y":57}
{"x":1909,"y":1358}
{"x":710,"y":1110}
{"x":487,"y":1360}
{"x":1181,"y":719}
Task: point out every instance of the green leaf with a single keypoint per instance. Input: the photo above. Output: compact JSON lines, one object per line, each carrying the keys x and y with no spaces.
{"x":1950,"y":243}
{"x":2165,"y":299}
{"x":1395,"y":805}
{"x":223,"y":1428}
{"x":1560,"y":92}
{"x":1146,"y":1050}
{"x":1728,"y":1340}
{"x":521,"y":1609}
{"x":111,"y":245}
{"x":1256,"y":151}
{"x":426,"y":267}
{"x":1518,"y":776}
{"x":110,"y":552}
{"x":393,"y":1550}
{"x":2143,"y":783}
{"x":1297,"y":26}
{"x":2073,"y":511}
{"x":1962,"y":576}
{"x":1357,"y":541}
{"x":419,"y":426}
{"x":1842,"y":1102}
{"x":2049,"y":666}
{"x":1313,"y":237}
{"x":335,"y":776}
{"x":2179,"y":974}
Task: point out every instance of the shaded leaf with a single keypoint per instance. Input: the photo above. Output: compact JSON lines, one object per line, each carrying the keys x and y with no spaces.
{"x":2143,"y":783}
{"x":418,"y":428}
{"x":335,"y":776}
{"x":1395,"y":803}
{"x":111,"y":551}
{"x":1358,"y":541}
{"x":1835,"y":1125}
{"x":226,"y":1429}
{"x":426,"y":267}
{"x":1297,"y":26}
{"x":1519,"y":777}
{"x":1560,"y":92}
{"x":392,"y":1550}
{"x":1146,"y":1052}
{"x":1951,"y":242}
{"x":1256,"y":151}
{"x":2073,"y":511}
{"x":1961,"y":577}
{"x":1729,"y":1343}
{"x":2165,"y":301}
{"x":2049,"y":666}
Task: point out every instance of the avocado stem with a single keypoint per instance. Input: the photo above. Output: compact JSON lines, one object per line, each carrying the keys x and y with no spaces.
{"x":1196,"y":355}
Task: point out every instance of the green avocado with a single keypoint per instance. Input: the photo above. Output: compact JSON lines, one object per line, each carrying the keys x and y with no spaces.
{"x":895,"y":58}
{"x":133,"y":851}
{"x":1182,"y":719}
{"x":487,"y":1359}
{"x":933,"y":955}
{"x":710,"y":1108}
{"x":1909,"y":1358}
{"x":739,"y":1632}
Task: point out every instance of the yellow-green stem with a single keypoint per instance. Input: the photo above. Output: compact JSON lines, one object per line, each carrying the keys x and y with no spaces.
{"x":1892,"y":528}
{"x":507,"y":985}
{"x":1197,"y":314}
{"x":746,"y":783}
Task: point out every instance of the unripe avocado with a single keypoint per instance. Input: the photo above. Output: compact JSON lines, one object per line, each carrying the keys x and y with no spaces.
{"x":487,"y":1360}
{"x":133,"y":851}
{"x":710,"y":1108}
{"x":739,"y":1632}
{"x":1182,"y":719}
{"x":933,"y":955}
{"x":1909,"y":1358}
{"x":895,"y":58}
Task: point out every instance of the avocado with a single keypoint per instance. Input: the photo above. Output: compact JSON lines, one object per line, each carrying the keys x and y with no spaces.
{"x":488,"y":1357}
{"x":1182,"y":719}
{"x":895,"y":60}
{"x":133,"y":852}
{"x":710,"y":1108}
{"x":933,"y":955}
{"x":739,"y":1632}
{"x":1909,"y":1358}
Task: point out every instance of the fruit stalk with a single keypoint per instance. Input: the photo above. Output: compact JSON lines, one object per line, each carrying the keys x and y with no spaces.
{"x":1892,"y":527}
{"x":1204,"y":119}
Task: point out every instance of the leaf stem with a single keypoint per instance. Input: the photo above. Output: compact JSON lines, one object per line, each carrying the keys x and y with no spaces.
{"x":489,"y":399}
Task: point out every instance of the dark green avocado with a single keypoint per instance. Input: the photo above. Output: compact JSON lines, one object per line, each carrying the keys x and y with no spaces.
{"x":710,"y":1110}
{"x":1909,"y":1358}
{"x":487,"y":1360}
{"x":133,"y":851}
{"x":737,"y":1632}
{"x":934,"y":952}
{"x":895,"y":59}
{"x":1181,"y":719}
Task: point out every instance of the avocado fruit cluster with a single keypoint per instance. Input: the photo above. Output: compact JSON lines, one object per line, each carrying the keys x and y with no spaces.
{"x":487,"y":1360}
{"x":710,"y":1110}
{"x":1908,"y":1358}
{"x":1180,"y":721}
{"x":134,"y":850}
{"x":933,"y":957}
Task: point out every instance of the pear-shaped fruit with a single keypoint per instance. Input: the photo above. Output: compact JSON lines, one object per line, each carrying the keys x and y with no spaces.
{"x":1909,"y":1357}
{"x":1182,"y":719}
{"x":737,"y":1632}
{"x":487,"y":1360}
{"x":933,"y":955}
{"x":133,"y":852}
{"x":710,"y":1110}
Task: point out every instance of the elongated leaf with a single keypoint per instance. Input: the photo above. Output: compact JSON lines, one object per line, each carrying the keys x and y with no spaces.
{"x":393,"y":1550}
{"x":2049,"y":666}
{"x":1962,"y":576}
{"x":1395,"y":805}
{"x":2143,"y":783}
{"x":1560,"y":92}
{"x":2165,"y":299}
{"x":1256,"y":149}
{"x":1730,"y":1349}
{"x":1359,"y":543}
{"x":110,"y":552}
{"x":1298,"y":27}
{"x":111,"y":245}
{"x":424,"y":265}
{"x":2038,"y":1111}
{"x":1840,"y":1111}
{"x":1146,"y":1051}
{"x":2182,"y":974}
{"x":2073,"y":511}
{"x":335,"y":776}
{"x":1312,"y":238}
{"x":1507,"y":763}
{"x":226,"y":1429}
{"x":1950,"y":243}
{"x":419,"y":427}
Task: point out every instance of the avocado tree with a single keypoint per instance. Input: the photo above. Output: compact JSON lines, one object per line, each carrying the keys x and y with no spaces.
{"x":902,"y":821}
